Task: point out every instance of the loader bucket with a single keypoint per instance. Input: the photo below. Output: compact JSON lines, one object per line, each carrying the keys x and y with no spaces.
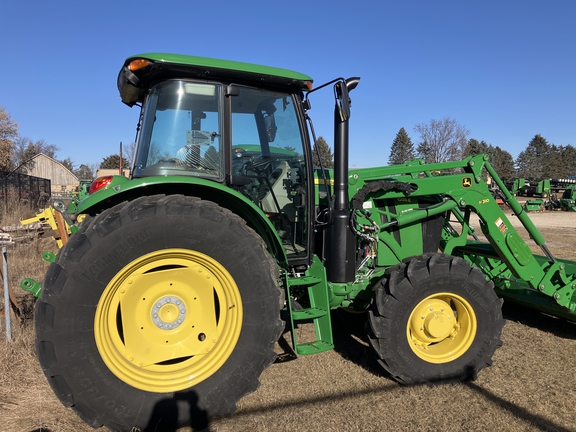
{"x":520,"y":293}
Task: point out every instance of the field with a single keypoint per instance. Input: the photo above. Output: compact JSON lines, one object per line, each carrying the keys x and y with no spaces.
{"x":530,"y":387}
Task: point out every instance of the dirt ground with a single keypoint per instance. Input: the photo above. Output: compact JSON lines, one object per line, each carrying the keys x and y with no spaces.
{"x":531,"y":385}
{"x":558,"y":229}
{"x":548,"y":220}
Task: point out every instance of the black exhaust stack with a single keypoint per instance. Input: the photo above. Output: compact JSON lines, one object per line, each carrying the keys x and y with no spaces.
{"x":341,"y":242}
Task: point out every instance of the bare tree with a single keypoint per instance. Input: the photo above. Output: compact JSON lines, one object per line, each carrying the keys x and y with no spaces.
{"x":442,"y":140}
{"x":128,"y":152}
{"x":24,"y":149}
{"x":8,"y":135}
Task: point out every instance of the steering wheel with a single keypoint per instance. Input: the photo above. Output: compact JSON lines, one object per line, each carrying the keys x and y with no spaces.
{"x":258,"y":165}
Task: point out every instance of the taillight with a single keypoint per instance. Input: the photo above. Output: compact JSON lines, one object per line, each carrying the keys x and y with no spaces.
{"x":100,"y":183}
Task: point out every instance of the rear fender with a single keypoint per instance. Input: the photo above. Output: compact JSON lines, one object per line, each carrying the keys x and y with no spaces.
{"x":122,"y":189}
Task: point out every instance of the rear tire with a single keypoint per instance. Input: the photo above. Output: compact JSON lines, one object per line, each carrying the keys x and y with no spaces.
{"x":159,"y":313}
{"x":434,"y":318}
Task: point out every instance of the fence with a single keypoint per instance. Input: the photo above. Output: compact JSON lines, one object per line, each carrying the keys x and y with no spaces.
{"x":28,"y":190}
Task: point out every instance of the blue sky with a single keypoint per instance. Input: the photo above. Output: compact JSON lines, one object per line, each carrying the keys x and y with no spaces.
{"x":504,"y":69}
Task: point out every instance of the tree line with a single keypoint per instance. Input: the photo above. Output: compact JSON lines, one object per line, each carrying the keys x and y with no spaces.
{"x":446,"y":140}
{"x":17,"y":152}
{"x":440,"y":141}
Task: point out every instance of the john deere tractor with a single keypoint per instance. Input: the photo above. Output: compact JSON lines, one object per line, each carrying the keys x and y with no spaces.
{"x":167,"y":300}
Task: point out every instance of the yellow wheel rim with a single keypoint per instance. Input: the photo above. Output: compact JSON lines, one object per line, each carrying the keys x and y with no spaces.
{"x":168,"y":320}
{"x":441,"y":328}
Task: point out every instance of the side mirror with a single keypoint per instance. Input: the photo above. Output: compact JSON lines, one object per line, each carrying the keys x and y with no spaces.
{"x":341,"y":92}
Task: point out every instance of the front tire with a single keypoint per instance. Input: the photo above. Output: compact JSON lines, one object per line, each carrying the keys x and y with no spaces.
{"x":159,"y":313}
{"x":434,"y":318}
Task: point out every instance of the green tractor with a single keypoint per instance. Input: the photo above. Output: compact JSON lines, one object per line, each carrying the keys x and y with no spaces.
{"x":167,"y":300}
{"x":541,"y":188}
{"x":567,"y":201}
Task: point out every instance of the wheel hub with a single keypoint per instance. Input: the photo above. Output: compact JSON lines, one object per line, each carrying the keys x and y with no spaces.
{"x":441,"y":327}
{"x":438,"y":324}
{"x":432,"y":321}
{"x":168,"y":312}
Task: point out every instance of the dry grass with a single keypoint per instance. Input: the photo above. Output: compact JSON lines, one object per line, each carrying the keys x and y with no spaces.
{"x":26,"y":401}
{"x":530,"y":387}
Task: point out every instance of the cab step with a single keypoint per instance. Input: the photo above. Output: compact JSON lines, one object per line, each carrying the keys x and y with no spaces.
{"x":317,"y":312}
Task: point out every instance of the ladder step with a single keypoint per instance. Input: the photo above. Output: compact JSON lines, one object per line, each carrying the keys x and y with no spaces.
{"x":313,"y":288}
{"x":306,"y":314}
{"x":314,"y":347}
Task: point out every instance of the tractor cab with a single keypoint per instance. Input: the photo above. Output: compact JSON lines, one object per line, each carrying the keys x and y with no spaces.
{"x":251,"y":139}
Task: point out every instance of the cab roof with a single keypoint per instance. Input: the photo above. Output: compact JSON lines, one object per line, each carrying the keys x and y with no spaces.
{"x":132,"y":82}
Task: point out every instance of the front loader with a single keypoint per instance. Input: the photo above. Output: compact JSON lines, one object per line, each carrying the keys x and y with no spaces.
{"x":169,"y":296}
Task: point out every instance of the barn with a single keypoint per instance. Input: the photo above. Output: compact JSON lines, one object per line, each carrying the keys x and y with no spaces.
{"x":63,"y":181}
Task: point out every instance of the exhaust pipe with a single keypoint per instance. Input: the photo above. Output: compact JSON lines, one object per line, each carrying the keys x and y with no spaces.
{"x":341,"y":240}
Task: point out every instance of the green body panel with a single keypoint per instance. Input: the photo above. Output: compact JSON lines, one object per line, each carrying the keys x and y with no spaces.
{"x":122,"y":189}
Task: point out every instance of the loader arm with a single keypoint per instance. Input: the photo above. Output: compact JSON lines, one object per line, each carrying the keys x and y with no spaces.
{"x":457,"y":190}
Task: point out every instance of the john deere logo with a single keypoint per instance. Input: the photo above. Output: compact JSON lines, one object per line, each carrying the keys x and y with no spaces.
{"x":466,"y":182}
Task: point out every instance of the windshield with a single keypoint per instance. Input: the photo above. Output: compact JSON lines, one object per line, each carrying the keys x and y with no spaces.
{"x":252,"y":139}
{"x":182,"y":131}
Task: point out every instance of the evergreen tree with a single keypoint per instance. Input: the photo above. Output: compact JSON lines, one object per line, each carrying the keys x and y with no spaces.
{"x":113,"y":162}
{"x":533,"y":163}
{"x":474,"y":147}
{"x":566,"y":162}
{"x":326,"y":156}
{"x":402,"y":149}
{"x":424,"y":151}
{"x":68,"y":164}
{"x":502,"y":162}
{"x":29,"y":153}
{"x":84,"y":172}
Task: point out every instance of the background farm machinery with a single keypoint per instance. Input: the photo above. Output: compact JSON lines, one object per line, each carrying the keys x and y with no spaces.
{"x":547,"y":194}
